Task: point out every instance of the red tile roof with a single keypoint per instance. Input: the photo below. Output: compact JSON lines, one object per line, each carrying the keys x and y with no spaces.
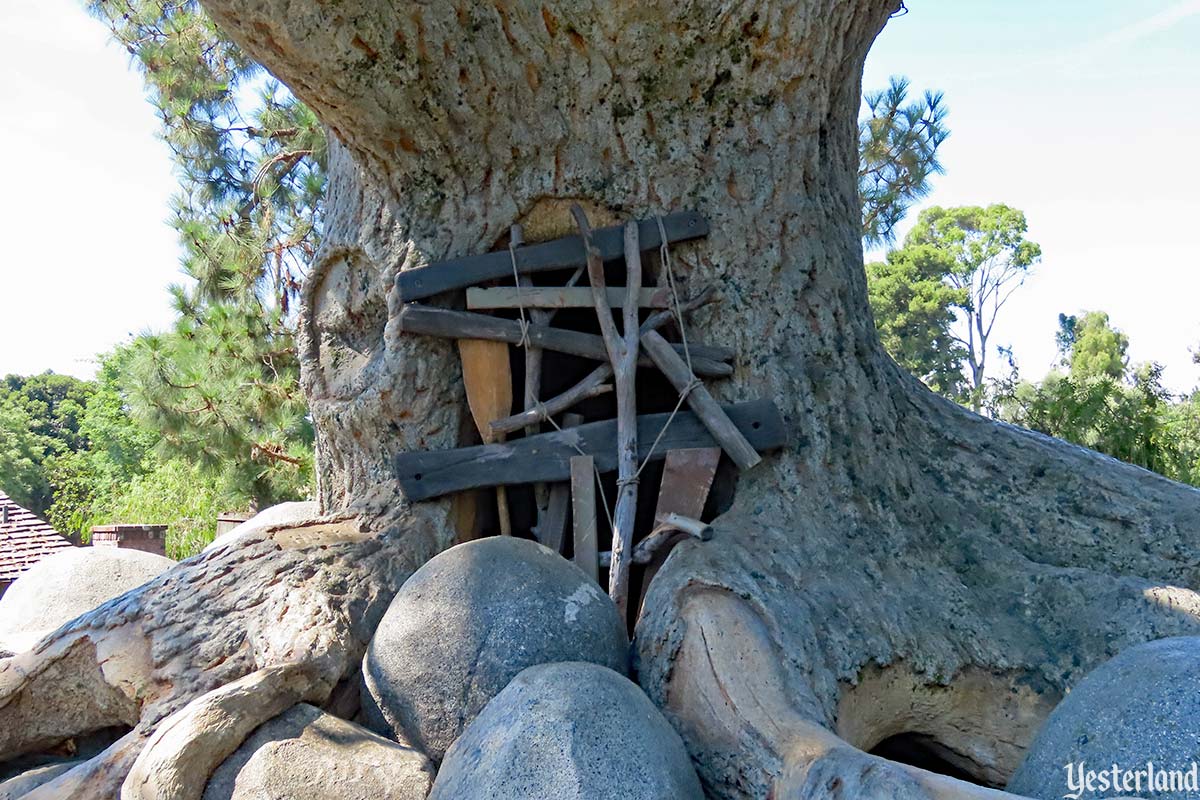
{"x":24,"y":539}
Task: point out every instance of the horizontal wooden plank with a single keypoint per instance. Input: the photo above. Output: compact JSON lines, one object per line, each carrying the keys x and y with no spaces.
{"x":559,"y":297}
{"x":416,"y":318}
{"x":547,"y":456}
{"x":422,"y":282}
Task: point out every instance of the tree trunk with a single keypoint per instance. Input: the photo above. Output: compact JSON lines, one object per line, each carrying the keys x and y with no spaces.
{"x":902,"y":567}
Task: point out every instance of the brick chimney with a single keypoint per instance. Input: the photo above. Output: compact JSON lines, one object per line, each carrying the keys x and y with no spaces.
{"x":148,"y":538}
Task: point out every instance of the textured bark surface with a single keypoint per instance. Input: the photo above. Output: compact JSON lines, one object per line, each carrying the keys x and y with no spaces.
{"x":898,"y":547}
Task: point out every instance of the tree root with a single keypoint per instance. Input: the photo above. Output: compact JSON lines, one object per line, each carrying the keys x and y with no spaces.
{"x":185,"y":748}
{"x":292,"y":607}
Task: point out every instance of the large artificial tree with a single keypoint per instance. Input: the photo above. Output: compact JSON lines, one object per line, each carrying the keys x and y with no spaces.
{"x":903,"y":571}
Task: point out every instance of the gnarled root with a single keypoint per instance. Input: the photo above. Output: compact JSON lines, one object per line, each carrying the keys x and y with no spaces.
{"x":295,"y":606}
{"x":187,"y":746}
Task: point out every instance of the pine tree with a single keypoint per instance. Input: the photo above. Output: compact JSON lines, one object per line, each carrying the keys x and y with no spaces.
{"x":222,"y":385}
{"x":898,"y":155}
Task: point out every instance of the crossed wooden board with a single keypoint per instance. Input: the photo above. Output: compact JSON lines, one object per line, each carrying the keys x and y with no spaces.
{"x":689,"y":441}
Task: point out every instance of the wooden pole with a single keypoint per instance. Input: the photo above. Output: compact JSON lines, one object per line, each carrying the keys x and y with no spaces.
{"x":594,"y":383}
{"x":549,"y":530}
{"x":701,"y":401}
{"x":583,"y":515}
{"x":533,"y":359}
{"x":622,"y":350}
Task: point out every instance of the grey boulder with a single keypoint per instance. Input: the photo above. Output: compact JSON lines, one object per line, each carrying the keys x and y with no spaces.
{"x":307,"y":754}
{"x":1143,"y":706}
{"x":569,"y":731}
{"x":467,"y":622}
{"x":71,"y":582}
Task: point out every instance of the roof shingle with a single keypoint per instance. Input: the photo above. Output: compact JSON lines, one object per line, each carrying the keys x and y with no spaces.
{"x":25,"y":539}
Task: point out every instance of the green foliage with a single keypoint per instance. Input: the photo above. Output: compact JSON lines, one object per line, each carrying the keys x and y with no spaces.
{"x":1098,"y":349}
{"x":39,"y":425}
{"x":178,"y":494}
{"x":1104,"y":404}
{"x":991,"y":259}
{"x":897,"y":155}
{"x":913,"y":305}
{"x":22,"y":456}
{"x":221,"y":387}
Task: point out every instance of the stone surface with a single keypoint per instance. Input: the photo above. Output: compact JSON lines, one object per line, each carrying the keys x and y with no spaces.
{"x":69,"y":583}
{"x":281,"y":514}
{"x":570,"y":731}
{"x":307,"y":754}
{"x":27,"y":781}
{"x":467,"y":622}
{"x":1142,"y":706}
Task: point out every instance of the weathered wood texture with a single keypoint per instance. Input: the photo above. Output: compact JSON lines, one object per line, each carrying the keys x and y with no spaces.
{"x":583,"y":514}
{"x":687,"y":476}
{"x":487,"y":377}
{"x":422,"y":282}
{"x":546,"y":457}
{"x":550,"y":526}
{"x":707,"y":360}
{"x":593,"y":383}
{"x":700,"y":400}
{"x":508,"y":297}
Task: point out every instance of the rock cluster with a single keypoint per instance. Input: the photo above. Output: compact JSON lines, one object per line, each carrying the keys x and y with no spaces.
{"x":467,"y":622}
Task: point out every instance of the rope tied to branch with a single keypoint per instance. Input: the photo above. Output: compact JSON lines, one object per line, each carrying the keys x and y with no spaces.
{"x":523,"y":322}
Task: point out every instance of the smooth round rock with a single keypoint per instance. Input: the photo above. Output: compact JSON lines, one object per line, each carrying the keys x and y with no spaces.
{"x":307,"y":754}
{"x":1142,"y":706}
{"x":279,"y":514}
{"x":571,"y":731}
{"x":71,"y":582}
{"x":467,"y":622}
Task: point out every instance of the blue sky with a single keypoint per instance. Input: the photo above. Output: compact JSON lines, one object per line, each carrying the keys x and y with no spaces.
{"x":1083,"y":114}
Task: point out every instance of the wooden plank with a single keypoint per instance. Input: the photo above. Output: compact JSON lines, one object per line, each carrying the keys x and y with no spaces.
{"x":487,"y":376}
{"x":700,"y":400}
{"x":686,"y":480}
{"x":583,"y":514}
{"x":687,"y":476}
{"x":430,"y":321}
{"x":559,"y":297}
{"x":422,"y":282}
{"x":550,"y":527}
{"x":546,"y":457}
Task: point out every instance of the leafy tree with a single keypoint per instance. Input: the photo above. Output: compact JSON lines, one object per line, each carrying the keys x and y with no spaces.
{"x":39,"y":424}
{"x":897,"y":155}
{"x":991,"y":259}
{"x":1098,"y":348}
{"x":914,"y":307}
{"x":221,"y":386}
{"x":22,"y":457}
{"x":1104,"y":404}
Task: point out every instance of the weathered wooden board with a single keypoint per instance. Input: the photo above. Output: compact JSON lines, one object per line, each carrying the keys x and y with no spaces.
{"x":550,"y":526}
{"x":707,"y":360}
{"x":487,"y":376}
{"x":546,"y":457}
{"x":583,"y":514}
{"x":422,"y":282}
{"x":700,"y":400}
{"x":560,"y":297}
{"x":687,"y":477}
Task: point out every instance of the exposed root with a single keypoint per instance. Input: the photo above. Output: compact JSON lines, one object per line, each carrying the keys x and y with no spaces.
{"x":185,"y":748}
